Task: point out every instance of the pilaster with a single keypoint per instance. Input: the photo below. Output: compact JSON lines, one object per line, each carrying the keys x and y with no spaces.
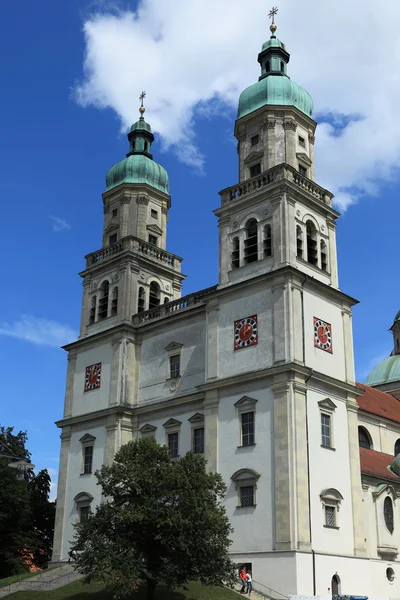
{"x":280,"y":315}
{"x":290,"y":127}
{"x":124,"y":216}
{"x":332,"y":258}
{"x":111,"y":439}
{"x":311,"y":141}
{"x":212,"y":339}
{"x":131,"y":373}
{"x":270,"y":142}
{"x":85,"y":305}
{"x":69,"y":391}
{"x":142,"y":202}
{"x":348,"y":345}
{"x":61,"y":495}
{"x":301,"y":468}
{"x":211,"y":430}
{"x":116,"y":371}
{"x":355,"y":475}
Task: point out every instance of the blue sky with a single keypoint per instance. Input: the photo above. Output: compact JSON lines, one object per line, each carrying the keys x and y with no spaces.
{"x":56,"y":145}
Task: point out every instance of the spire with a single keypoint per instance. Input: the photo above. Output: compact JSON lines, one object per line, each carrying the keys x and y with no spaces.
{"x":271,"y":14}
{"x":140,"y":136}
{"x":273,"y":57}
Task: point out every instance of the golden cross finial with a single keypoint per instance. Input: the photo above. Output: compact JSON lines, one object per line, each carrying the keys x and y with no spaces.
{"x":271,"y":14}
{"x":141,"y":98}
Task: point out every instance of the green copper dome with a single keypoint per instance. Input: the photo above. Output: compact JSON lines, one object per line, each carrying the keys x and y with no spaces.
{"x":274,"y":87}
{"x":139,"y":166}
{"x":386,"y":371}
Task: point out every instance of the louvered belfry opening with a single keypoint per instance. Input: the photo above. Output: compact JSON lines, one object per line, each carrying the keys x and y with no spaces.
{"x":312,"y":250}
{"x":103,"y":301}
{"x":251,"y":242}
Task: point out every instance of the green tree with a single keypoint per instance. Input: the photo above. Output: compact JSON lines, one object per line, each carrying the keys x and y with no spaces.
{"x":162,"y":522}
{"x":26,"y":514}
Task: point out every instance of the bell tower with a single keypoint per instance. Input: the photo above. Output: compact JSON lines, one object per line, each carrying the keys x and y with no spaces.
{"x":132,"y":271}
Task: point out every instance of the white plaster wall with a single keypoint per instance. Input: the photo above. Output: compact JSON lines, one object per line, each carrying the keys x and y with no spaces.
{"x":86,"y":402}
{"x":275,"y":570}
{"x":370,"y":526}
{"x":330,"y":469}
{"x":319,"y":360}
{"x":154,"y":380}
{"x":185,"y":429}
{"x":384,"y":434}
{"x":78,"y":483}
{"x":253,"y":526}
{"x":252,"y":358}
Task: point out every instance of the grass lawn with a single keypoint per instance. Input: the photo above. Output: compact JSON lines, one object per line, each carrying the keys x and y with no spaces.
{"x":95,"y":591}
{"x":17,"y":578}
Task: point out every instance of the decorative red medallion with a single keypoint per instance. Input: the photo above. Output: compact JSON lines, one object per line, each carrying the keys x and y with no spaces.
{"x":245,"y":332}
{"x":93,"y":377}
{"x":322,"y":335}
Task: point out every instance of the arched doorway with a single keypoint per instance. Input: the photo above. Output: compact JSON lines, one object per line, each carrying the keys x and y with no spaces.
{"x":335,"y":585}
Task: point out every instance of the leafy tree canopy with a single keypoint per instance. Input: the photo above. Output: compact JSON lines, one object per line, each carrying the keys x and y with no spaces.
{"x":26,"y":514}
{"x":162,"y":522}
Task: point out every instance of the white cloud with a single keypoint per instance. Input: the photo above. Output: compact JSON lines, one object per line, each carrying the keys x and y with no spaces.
{"x":186,"y":53}
{"x":53,"y":491}
{"x":59,"y":224}
{"x":38,"y":331}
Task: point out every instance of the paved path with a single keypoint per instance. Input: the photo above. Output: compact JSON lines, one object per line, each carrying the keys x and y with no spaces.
{"x":46,"y":580}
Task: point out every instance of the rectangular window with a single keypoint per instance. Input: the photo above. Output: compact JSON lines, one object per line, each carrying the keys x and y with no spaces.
{"x":326,"y":430}
{"x":198,"y":440}
{"x":114,"y":212}
{"x":330,"y":516}
{"x":254,"y":140}
{"x":247,"y":495}
{"x":87,"y":459}
{"x":175,"y":365}
{"x":113,"y":239}
{"x":302,"y":141}
{"x":255,"y":170}
{"x":248,"y":429}
{"x":302,"y":171}
{"x":84,"y":512}
{"x":173,"y":444}
{"x":153,"y":240}
{"x":154,"y":213}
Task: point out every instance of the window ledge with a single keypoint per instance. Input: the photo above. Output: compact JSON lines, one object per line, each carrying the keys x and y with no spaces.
{"x":331,"y":527}
{"x":174,"y":378}
{"x":247,"y":446}
{"x":314,"y":267}
{"x":328,"y":447}
{"x":248,"y":506}
{"x":85,"y":474}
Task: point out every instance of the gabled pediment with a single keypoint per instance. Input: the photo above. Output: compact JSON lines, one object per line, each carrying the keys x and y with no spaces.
{"x":172,"y":423}
{"x":245,"y":475}
{"x":385,"y":488}
{"x":245,"y":401}
{"x":111,"y":227}
{"x":155,"y":229}
{"x":197,"y":418}
{"x":327,"y":404}
{"x":83,"y":498}
{"x":147,"y":428}
{"x":87,"y":438}
{"x":173,"y":346}
{"x":304,"y":158}
{"x":253,"y":156}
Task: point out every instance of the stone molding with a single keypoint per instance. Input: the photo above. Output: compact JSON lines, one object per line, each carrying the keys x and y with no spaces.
{"x":289,"y":125}
{"x":270,"y":124}
{"x":142,"y":200}
{"x":311,"y":138}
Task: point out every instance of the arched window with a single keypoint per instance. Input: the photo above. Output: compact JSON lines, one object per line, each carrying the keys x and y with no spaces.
{"x":299,"y":241}
{"x":267,"y":241}
{"x":114,"y":301}
{"x":364,"y":439}
{"x":335,"y":585}
{"x":251,"y":242}
{"x":397,"y":448}
{"x":324,"y":256}
{"x":312,"y":250}
{"x":103,"y":301}
{"x":235,"y":253}
{"x":92,"y":316}
{"x":388,"y":513}
{"x":154,"y":299}
{"x":166,"y":299}
{"x":141,"y":300}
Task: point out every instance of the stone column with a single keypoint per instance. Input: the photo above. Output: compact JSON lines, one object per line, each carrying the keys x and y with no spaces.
{"x":124,"y":215}
{"x":111,"y":439}
{"x":142,"y":202}
{"x":212,"y":339}
{"x":348,"y":345}
{"x":297,"y":326}
{"x":355,"y":475}
{"x":131,"y":372}
{"x":332,"y":256}
{"x":290,"y":143}
{"x":301,"y":466}
{"x":211,"y":430}
{"x":69,"y":391}
{"x":270,"y":143}
{"x":58,"y":552}
{"x":85,"y":306}
{"x":311,"y":140}
{"x":282,"y":467}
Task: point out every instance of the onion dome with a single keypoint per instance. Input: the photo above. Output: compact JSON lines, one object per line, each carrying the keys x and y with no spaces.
{"x":274,"y":86}
{"x":139,"y":166}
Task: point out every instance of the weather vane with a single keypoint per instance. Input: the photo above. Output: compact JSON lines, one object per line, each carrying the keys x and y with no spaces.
{"x":271,"y":14}
{"x":141,"y":98}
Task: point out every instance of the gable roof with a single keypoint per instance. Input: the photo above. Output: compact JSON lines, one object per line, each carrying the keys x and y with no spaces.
{"x":379,"y":403}
{"x":375,"y":464}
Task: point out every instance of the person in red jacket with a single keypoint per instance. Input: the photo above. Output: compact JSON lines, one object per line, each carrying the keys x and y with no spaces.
{"x":243,"y":578}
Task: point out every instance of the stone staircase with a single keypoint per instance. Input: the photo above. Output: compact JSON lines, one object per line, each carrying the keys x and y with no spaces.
{"x":45,"y":580}
{"x":260,"y":592}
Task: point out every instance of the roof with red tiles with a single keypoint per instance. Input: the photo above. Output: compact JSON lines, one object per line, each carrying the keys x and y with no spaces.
{"x":379,"y":403}
{"x":375,"y":464}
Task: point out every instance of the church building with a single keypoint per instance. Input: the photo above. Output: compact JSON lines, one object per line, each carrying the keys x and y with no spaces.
{"x":256,"y":372}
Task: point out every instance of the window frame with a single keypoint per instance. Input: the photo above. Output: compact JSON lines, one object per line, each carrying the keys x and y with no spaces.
{"x":247,"y":429}
{"x":153,"y":213}
{"x":174,"y":369}
{"x":197,"y":422}
{"x":148,"y":431}
{"x":257,"y":167}
{"x":331,"y":498}
{"x":173,"y":427}
{"x":174,"y":349}
{"x":388,"y":501}
{"x":202,"y":440}
{"x":243,"y":406}
{"x":303,"y":171}
{"x":255,"y":139}
{"x":152,"y":239}
{"x":368,"y":437}
{"x":87,"y":441}
{"x":83,"y":500}
{"x":327,"y":408}
{"x":114,"y":213}
{"x":112,"y":239}
{"x":245,"y":478}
